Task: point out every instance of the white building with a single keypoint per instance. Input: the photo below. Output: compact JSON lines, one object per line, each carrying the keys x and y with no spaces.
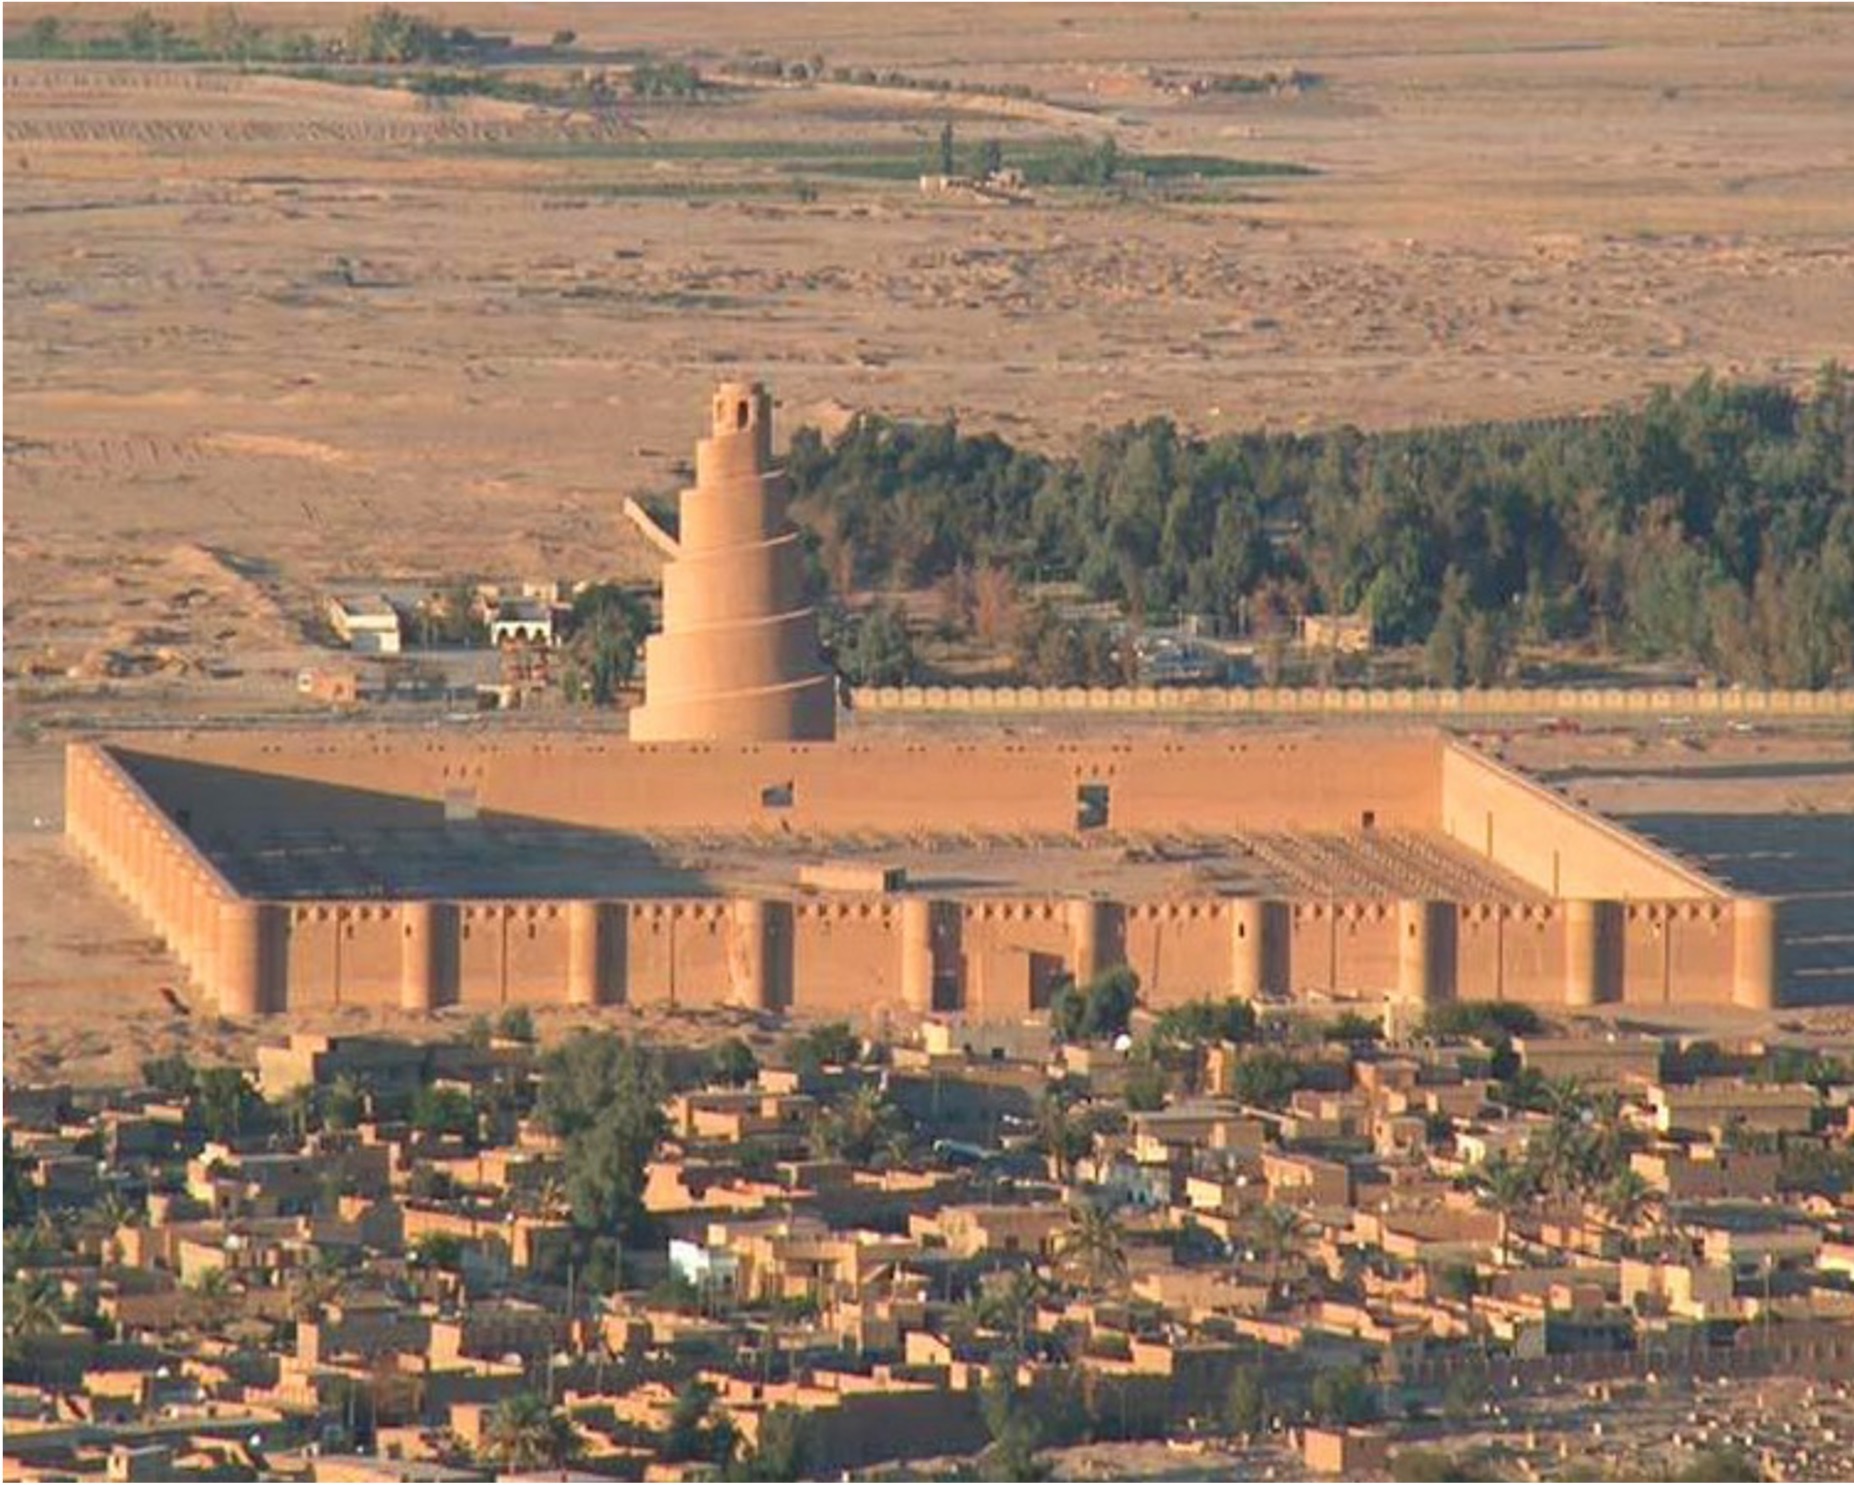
{"x":366,"y":624}
{"x":525,"y":620}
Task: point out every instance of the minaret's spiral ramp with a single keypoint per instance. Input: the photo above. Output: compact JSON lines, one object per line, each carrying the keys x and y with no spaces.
{"x":738,"y":659}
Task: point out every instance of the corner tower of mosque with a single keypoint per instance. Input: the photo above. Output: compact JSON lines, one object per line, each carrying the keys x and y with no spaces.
{"x":738,"y":658}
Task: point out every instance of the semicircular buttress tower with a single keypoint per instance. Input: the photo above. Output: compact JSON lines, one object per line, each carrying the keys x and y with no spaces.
{"x":738,"y":658}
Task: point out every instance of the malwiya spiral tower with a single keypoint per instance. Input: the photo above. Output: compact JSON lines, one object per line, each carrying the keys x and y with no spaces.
{"x":738,"y":658}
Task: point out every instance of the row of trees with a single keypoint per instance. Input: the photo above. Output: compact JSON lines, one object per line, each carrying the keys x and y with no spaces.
{"x":224,"y":33}
{"x":1713,"y":526}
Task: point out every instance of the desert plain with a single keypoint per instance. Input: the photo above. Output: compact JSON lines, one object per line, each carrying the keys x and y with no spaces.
{"x":269,"y":334}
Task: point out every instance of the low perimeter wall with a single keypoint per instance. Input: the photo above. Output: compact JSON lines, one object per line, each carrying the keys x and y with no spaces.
{"x":1345,"y":701}
{"x":1661,"y":935}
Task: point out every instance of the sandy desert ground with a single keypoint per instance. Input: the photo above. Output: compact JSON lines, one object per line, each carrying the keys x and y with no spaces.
{"x":264,"y":334}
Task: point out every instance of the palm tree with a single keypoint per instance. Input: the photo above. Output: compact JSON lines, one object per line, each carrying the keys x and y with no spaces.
{"x":342,"y":1103}
{"x":1010,"y":1308}
{"x":51,"y":1236}
{"x":1017,"y":1305}
{"x":1564,"y":1156}
{"x":33,"y":1308}
{"x":858,"y":1129}
{"x":1092,"y":1252}
{"x":971,"y":1315}
{"x":1508,"y":1188}
{"x":1565,"y":1098}
{"x":1626,"y":1198}
{"x":108,"y":1217}
{"x":316,"y":1286}
{"x":547,"y":1197}
{"x":524,"y":1433}
{"x":1275,"y":1229}
{"x":1607,"y":1130}
{"x":1062,"y":1135}
{"x":298,"y":1108}
{"x":212,"y":1297}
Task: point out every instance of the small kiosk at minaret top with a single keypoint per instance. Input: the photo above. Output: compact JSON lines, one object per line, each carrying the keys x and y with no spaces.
{"x":738,"y":659}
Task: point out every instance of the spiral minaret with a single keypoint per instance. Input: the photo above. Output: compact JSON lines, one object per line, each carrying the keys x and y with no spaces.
{"x":738,"y":659}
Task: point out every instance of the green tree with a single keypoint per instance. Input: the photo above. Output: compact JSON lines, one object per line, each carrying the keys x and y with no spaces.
{"x":1445,"y":654}
{"x":225,"y":35}
{"x":1509,"y":1187}
{"x":831,"y":1044}
{"x":1482,"y":1020}
{"x":343,"y":1102}
{"x":172,"y":1076}
{"x":1015,"y":1430}
{"x":388,"y":34}
{"x":1265,"y":1078}
{"x":228,"y":1104}
{"x":45,"y":36}
{"x":516,"y":1024}
{"x":1062,"y":1134}
{"x":733,"y":1064}
{"x":297,"y":1110}
{"x":525,"y":1433}
{"x":440,"y":1111}
{"x":1011,"y":1308}
{"x":1486,"y":648}
{"x":1107,"y":160}
{"x":1464,"y":1394}
{"x":33,"y":1308}
{"x":603,"y":1096}
{"x":876,"y":649}
{"x":145,"y":34}
{"x":1352,"y":1029}
{"x":991,"y":158}
{"x":1091,"y":1252}
{"x":316,"y":1286}
{"x":1147,"y":1080}
{"x":605,"y":633}
{"x":1343,"y":1397}
{"x":859,"y":1128}
{"x":783,"y":1449}
{"x":1274,"y":1229}
{"x":1246,"y":1411}
{"x":694,"y":1432}
{"x":21,"y":1201}
{"x":665,"y":80}
{"x":946,"y":149}
{"x":1197,"y":1021}
{"x":1097,"y":1011}
{"x":212,"y":1299}
{"x":1626,"y":1199}
{"x":1721,"y":1462}
{"x":1456,"y":1281}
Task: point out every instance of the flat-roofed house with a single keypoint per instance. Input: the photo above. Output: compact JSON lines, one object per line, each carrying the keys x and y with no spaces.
{"x":366,"y":623}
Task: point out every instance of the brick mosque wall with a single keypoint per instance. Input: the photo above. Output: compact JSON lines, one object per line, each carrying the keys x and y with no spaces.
{"x":1626,"y":923}
{"x":1309,"y":783}
{"x":1537,"y":835}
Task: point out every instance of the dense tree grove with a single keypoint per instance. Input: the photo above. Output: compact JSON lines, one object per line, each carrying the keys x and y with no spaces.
{"x":604,"y":1097}
{"x":1714,"y":526}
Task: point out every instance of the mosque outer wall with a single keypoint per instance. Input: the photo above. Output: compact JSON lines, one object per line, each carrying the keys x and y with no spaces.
{"x":1632,"y":925}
